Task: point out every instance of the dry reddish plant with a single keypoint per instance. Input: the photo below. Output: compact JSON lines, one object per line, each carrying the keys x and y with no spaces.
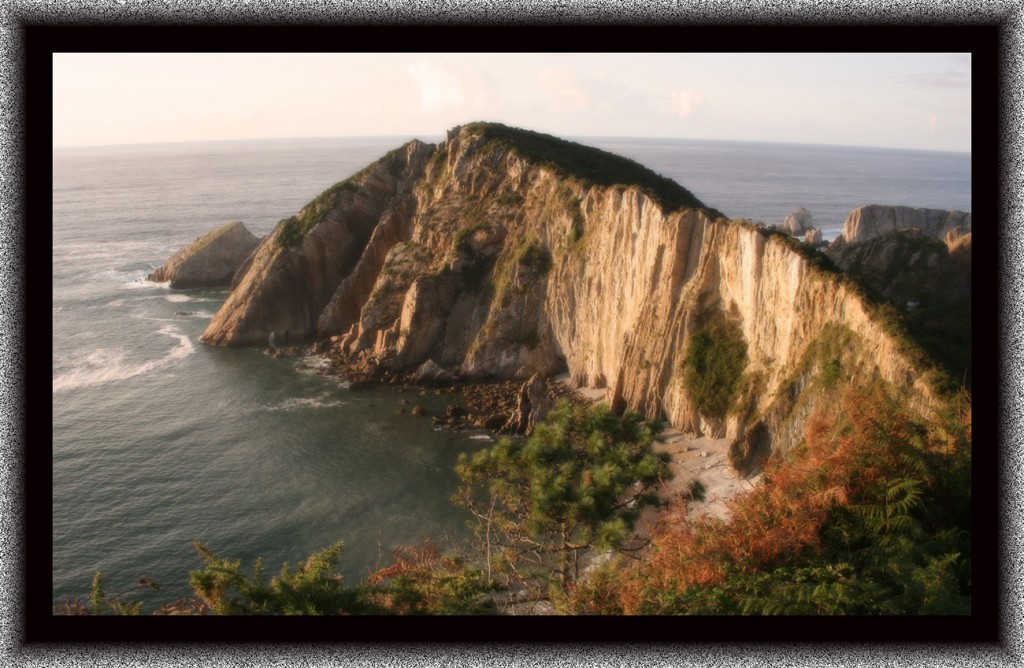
{"x":846,"y":458}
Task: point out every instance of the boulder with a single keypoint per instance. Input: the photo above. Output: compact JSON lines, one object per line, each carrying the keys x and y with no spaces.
{"x":210,"y":261}
{"x":429,"y":373}
{"x":493,"y":422}
{"x":813,"y":237}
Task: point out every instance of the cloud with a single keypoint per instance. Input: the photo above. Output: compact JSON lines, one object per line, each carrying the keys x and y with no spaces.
{"x":445,"y":88}
{"x":567,"y":86}
{"x":685,"y":101}
{"x":933,"y":122}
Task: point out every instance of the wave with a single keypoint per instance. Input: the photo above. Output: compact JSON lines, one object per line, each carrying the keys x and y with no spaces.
{"x":302,"y":403}
{"x":140,"y":281}
{"x":314,"y":364}
{"x":107,"y":365}
{"x":177,"y":297}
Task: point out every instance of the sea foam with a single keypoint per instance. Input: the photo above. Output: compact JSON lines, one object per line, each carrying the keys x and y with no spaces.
{"x":106,"y":365}
{"x":302,"y":403}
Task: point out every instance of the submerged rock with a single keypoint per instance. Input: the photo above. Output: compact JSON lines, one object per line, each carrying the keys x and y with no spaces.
{"x":210,"y":261}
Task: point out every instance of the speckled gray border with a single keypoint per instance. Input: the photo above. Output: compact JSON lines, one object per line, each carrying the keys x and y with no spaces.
{"x":13,"y":365}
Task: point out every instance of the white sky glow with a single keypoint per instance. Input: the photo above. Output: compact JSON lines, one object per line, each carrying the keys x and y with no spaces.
{"x":920,"y":101}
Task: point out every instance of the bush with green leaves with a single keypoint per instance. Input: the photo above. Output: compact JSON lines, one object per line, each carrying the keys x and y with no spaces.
{"x":716,"y":355}
{"x":421,"y":581}
{"x":312,"y":588}
{"x":576,"y":484}
{"x":102,"y":603}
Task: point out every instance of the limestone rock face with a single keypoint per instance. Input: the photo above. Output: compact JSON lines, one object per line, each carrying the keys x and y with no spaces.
{"x":209,"y":261}
{"x":798,"y":222}
{"x":813,"y":237}
{"x":875,"y":220}
{"x":518,"y":256}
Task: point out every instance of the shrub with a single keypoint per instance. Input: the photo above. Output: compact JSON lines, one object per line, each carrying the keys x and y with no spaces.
{"x":865,"y":517}
{"x":716,"y":355}
{"x":576,"y":484}
{"x":832,"y":372}
{"x":534,"y":255}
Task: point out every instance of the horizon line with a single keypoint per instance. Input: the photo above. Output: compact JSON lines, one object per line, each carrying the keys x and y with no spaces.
{"x":441,"y":136}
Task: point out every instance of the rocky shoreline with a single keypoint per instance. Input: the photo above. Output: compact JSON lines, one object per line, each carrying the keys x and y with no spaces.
{"x":501,"y":406}
{"x":498,"y":406}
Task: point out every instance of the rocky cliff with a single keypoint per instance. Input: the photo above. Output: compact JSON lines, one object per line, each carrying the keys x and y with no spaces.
{"x":297,"y":268}
{"x":876,"y":220}
{"x":505,"y":253}
{"x":209,"y":261}
{"x":924,"y":270}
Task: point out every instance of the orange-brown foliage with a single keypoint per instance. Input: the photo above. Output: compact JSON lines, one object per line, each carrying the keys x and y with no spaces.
{"x":845,"y":455}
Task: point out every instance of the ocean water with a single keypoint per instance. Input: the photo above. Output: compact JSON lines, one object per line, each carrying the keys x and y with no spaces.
{"x":766,"y":181}
{"x":160,"y":440}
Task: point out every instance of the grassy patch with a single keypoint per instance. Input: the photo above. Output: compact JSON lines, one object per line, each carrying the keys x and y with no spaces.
{"x":936,"y":345}
{"x":716,"y":355}
{"x":533,"y":254}
{"x":831,"y":372}
{"x":568,"y":200}
{"x":461,"y":240}
{"x":509,"y":199}
{"x":291,"y":231}
{"x":437,"y":163}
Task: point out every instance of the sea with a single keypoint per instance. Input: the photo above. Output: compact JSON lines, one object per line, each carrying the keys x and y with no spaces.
{"x":160,"y":441}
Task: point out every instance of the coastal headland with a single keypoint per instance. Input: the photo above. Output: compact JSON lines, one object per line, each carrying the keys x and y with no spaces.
{"x":501,"y":255}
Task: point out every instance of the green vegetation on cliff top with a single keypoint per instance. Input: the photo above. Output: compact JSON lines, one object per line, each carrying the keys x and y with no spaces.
{"x":291,"y":231}
{"x":938,"y":346}
{"x":592,"y":165}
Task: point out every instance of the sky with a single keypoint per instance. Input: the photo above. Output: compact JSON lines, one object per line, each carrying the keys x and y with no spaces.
{"x":916,"y":101}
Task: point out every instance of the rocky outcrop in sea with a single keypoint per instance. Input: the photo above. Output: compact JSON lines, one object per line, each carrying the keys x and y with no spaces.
{"x":876,"y":220}
{"x":210,"y":261}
